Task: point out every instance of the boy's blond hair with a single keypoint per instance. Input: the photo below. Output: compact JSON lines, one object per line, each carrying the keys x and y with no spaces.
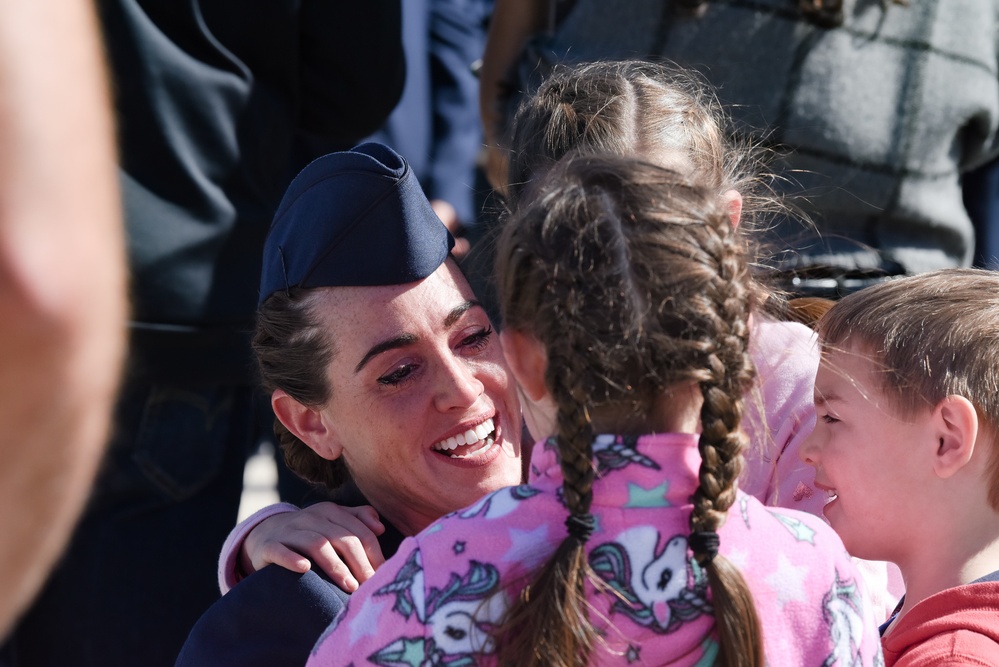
{"x":933,"y":335}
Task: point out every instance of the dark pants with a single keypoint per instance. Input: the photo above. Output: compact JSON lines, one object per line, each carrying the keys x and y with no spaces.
{"x":141,"y":566}
{"x":981,"y":198}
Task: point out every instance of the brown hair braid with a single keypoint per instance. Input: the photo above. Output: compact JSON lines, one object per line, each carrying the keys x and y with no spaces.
{"x":633,"y":281}
{"x":721,"y":444}
{"x":659,"y":112}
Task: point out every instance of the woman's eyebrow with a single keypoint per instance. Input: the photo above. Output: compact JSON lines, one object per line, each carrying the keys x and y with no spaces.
{"x":402,"y":340}
{"x":393,"y":343}
{"x":458,"y":311}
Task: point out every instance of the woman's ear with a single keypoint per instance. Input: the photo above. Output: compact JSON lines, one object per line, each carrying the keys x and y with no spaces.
{"x":734,"y":200}
{"x":307,"y":424}
{"x":526,"y":357}
{"x":955,"y":422}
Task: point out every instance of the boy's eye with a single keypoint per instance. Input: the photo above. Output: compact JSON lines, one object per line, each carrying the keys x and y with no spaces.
{"x":396,"y":376}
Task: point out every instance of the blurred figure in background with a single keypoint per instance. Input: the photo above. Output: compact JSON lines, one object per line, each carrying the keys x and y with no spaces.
{"x":981,"y":197}
{"x":436,"y":124}
{"x":875,"y":108}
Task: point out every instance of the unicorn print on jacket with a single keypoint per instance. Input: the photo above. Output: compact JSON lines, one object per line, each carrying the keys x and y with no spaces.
{"x":661,"y":587}
{"x":456,"y":618}
{"x":844,"y":611}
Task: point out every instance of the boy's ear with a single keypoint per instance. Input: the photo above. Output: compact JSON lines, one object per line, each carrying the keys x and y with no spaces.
{"x":955,"y":421}
{"x":526,"y":357}
{"x":307,"y":424}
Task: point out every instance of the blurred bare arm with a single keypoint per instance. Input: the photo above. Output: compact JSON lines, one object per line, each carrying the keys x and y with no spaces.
{"x":62,"y":283}
{"x":511,"y":25}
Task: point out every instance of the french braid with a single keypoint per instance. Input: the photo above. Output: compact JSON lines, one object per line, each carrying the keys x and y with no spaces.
{"x":721,"y":443}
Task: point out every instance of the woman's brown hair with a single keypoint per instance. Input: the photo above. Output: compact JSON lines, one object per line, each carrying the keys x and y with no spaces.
{"x":633,"y":281}
{"x":293,"y":352}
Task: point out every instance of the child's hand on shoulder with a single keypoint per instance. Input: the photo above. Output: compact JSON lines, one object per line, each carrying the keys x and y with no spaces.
{"x":341,"y":541}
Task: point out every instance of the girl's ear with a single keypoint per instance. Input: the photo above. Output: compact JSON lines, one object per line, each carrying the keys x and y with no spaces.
{"x":734,"y":200}
{"x":307,"y":424}
{"x":526,"y":357}
{"x":955,"y":421}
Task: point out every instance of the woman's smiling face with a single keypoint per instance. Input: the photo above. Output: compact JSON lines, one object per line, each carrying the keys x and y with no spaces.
{"x":422,"y":409}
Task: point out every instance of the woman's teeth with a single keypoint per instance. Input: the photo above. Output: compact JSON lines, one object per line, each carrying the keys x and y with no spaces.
{"x":476,"y":439}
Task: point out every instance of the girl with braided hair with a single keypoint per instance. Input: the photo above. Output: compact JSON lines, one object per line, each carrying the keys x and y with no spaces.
{"x":666,"y":115}
{"x":626,"y":299}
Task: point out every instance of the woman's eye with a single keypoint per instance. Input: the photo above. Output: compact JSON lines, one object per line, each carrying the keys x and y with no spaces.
{"x":828,"y":419}
{"x":478,"y":340}
{"x":396,"y":376}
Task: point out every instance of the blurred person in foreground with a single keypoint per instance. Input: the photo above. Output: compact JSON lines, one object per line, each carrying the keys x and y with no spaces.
{"x":211,"y":99}
{"x":62,"y":284}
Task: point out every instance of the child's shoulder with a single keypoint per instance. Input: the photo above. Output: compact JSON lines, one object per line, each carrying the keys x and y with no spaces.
{"x":957,"y":624}
{"x":792,"y":524}
{"x":507,"y":505}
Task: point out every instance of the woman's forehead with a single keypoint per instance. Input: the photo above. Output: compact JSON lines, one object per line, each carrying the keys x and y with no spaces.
{"x":380,"y":309}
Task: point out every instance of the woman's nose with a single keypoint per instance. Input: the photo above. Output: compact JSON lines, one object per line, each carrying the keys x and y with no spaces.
{"x":458,"y":386}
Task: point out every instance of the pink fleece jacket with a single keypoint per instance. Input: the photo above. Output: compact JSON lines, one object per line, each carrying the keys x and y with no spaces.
{"x":436,"y":601}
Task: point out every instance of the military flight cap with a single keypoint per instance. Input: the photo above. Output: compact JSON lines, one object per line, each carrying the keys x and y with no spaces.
{"x":353,"y":218}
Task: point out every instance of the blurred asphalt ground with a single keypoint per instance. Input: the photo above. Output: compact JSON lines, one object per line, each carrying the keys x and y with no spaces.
{"x":259,"y":482}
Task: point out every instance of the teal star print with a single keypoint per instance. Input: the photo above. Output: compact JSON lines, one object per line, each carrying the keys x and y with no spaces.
{"x":411,"y":653}
{"x":710,"y":648}
{"x":801,"y":531}
{"x":654,"y":497}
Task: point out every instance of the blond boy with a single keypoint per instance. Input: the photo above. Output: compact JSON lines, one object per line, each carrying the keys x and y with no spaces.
{"x":906,"y":445}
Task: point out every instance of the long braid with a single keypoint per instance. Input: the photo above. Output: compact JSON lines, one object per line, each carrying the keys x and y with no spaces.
{"x":528,"y":635}
{"x":721,"y":444}
{"x":730,"y":371}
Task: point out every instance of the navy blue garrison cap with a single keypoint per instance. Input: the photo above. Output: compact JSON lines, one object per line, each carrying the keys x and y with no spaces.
{"x":353,"y":218}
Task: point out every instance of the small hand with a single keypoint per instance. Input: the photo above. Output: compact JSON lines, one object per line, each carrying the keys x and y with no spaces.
{"x":341,"y":541}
